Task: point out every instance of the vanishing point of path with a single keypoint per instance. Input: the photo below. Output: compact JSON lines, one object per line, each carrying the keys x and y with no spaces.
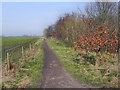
{"x":54,"y":75}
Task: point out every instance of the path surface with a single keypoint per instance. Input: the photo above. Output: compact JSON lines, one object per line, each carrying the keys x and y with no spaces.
{"x":54,"y":75}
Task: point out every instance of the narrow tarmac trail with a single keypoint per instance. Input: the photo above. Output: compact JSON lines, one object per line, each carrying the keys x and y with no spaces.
{"x":54,"y":75}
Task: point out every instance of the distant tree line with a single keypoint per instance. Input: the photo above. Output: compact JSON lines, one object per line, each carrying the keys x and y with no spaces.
{"x":68,"y":27}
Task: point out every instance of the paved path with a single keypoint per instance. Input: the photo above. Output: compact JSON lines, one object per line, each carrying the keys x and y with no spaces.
{"x":54,"y":75}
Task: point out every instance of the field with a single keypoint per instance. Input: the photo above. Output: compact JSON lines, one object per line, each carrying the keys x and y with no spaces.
{"x":10,"y":42}
{"x":78,"y":66}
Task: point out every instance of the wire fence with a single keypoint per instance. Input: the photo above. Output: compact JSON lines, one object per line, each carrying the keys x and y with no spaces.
{"x":13,"y":55}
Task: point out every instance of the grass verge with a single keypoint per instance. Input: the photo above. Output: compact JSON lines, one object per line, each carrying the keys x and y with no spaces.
{"x":84,"y":72}
{"x":28,"y":72}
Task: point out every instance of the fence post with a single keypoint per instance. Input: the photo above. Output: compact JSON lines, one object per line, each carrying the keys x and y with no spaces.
{"x":30,"y":46}
{"x":8,"y":62}
{"x":22,"y":51}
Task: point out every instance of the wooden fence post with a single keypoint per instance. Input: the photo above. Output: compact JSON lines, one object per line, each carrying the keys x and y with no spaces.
{"x":8,"y":62}
{"x":22,"y":50}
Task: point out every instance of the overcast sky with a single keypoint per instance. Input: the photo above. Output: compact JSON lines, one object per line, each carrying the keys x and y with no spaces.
{"x":31,"y":18}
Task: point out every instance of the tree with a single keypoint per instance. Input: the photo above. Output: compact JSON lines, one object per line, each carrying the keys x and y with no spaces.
{"x":49,"y":32}
{"x":103,"y":12}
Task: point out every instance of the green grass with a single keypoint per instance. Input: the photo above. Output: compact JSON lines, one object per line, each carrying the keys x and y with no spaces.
{"x":9,"y":42}
{"x":35,"y":67}
{"x":86,"y":72}
{"x":36,"y":70}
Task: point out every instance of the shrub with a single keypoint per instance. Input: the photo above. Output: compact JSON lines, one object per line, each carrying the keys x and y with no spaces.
{"x":98,"y":39}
